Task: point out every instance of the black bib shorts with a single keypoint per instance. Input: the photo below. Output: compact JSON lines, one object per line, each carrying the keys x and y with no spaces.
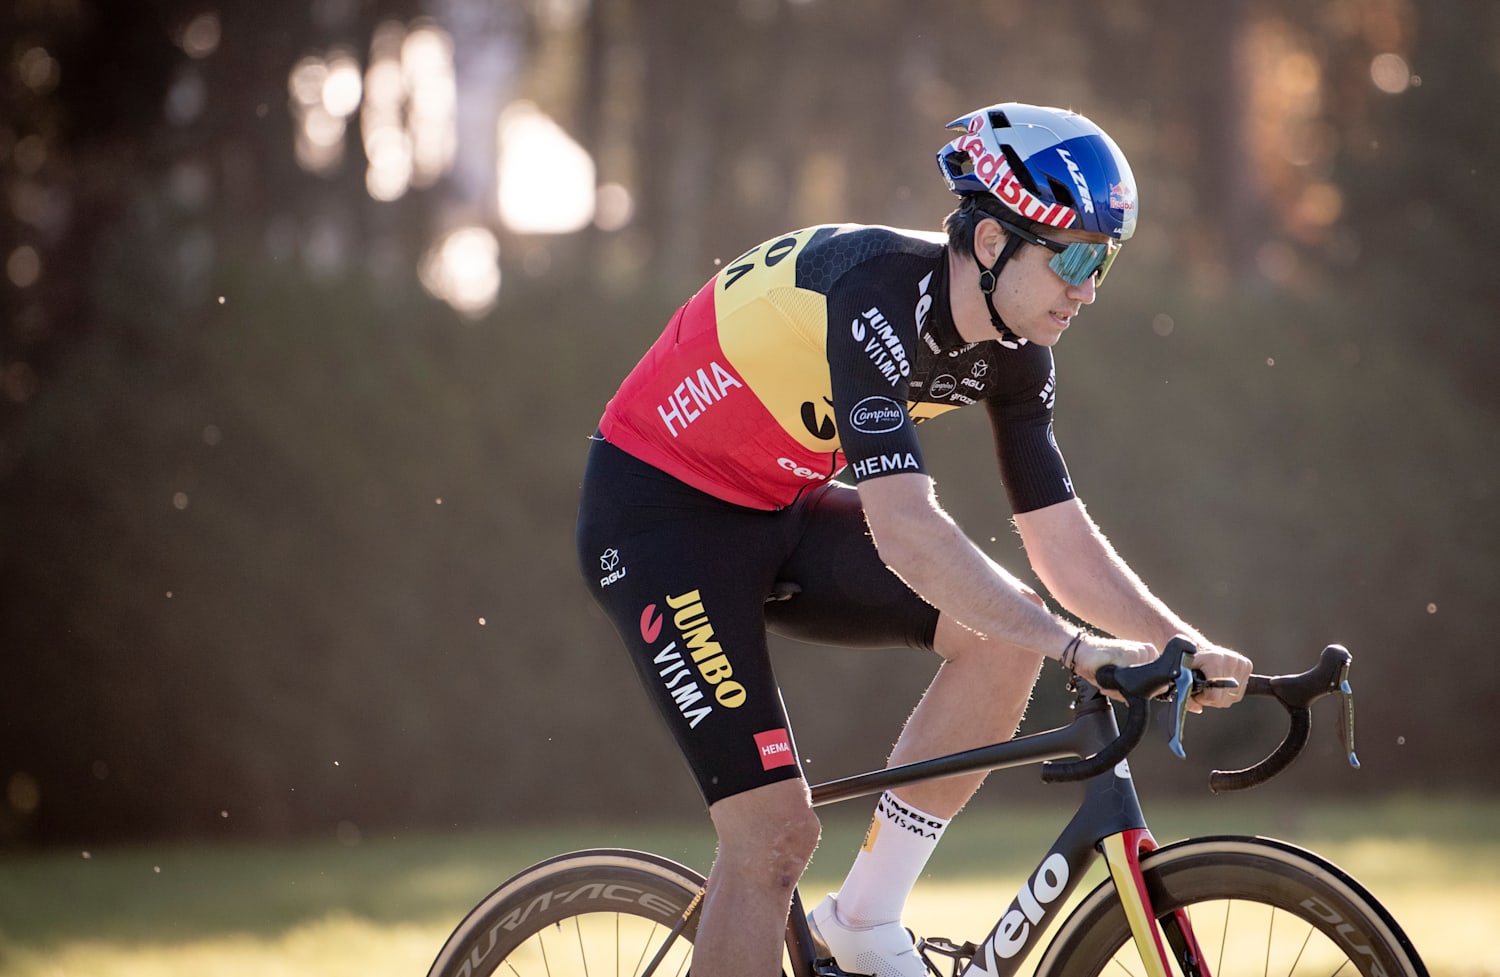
{"x":686,"y":577}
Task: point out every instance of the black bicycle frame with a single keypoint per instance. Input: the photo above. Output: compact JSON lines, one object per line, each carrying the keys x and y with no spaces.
{"x":1109,"y":807}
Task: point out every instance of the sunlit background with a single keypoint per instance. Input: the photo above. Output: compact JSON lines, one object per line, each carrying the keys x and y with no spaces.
{"x":309,"y":308}
{"x":400,"y":109}
{"x":407,"y":102}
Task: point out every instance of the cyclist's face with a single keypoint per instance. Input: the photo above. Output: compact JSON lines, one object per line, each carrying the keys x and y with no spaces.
{"x":1035,"y":303}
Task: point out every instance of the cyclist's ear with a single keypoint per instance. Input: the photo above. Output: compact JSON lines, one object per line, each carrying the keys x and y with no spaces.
{"x":989,"y":239}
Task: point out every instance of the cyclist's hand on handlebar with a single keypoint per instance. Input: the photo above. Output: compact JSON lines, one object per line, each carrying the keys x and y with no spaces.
{"x":1095,"y":652}
{"x":1220,"y":663}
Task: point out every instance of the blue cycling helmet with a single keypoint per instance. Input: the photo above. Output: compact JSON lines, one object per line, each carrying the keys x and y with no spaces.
{"x":1048,"y":165}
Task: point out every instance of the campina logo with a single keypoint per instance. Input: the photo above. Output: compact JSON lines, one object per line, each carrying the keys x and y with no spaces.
{"x":876,"y":415}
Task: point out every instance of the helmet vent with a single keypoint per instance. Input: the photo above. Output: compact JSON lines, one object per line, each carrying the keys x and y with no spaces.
{"x":1061,"y":193}
{"x":958,"y":163}
{"x":999,"y":121}
{"x":1021,"y":171}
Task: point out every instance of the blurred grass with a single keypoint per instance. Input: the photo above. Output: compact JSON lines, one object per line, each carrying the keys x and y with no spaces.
{"x":383,"y":905}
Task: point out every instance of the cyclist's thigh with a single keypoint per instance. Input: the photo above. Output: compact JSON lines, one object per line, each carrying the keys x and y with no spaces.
{"x":847,"y":595}
{"x":684,"y":576}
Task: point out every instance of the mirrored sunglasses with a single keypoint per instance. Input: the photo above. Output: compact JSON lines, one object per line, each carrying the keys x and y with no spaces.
{"x":1074,"y":263}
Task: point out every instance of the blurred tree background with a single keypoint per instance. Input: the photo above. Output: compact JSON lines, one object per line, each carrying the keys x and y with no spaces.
{"x":309,"y":308}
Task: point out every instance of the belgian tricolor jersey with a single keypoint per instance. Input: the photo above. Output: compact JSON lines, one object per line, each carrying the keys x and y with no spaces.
{"x":824,"y":348}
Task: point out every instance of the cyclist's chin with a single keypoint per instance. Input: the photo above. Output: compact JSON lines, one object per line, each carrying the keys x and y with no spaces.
{"x":1044,"y":332}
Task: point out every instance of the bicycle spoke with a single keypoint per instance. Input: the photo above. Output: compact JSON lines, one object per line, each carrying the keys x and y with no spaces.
{"x":645,"y":949}
{"x":583,"y":955}
{"x":1303,"y":949}
{"x":1255,"y":939}
{"x":1270,"y":938}
{"x":1223,"y":941}
{"x":598,"y":946}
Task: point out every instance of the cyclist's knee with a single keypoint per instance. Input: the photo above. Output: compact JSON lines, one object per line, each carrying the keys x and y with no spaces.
{"x":771,"y":831}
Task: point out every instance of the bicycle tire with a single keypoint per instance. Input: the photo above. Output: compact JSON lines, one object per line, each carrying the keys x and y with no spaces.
{"x":597,"y":912}
{"x":1256,"y":906}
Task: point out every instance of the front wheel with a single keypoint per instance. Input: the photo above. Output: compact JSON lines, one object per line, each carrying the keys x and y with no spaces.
{"x":1230,"y":906}
{"x":597,"y":912}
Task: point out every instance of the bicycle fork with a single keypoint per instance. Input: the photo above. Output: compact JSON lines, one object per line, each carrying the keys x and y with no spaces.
{"x":1122,"y":854}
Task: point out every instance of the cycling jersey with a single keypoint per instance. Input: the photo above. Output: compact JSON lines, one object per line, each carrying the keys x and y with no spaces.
{"x":710,"y":485}
{"x":821,"y":348}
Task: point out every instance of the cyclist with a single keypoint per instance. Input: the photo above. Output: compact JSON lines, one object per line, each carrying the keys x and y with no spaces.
{"x":709,"y":486}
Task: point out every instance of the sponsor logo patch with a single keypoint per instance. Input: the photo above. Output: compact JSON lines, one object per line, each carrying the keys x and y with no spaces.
{"x":650,"y":624}
{"x":609,"y":562}
{"x":876,"y":415}
{"x":775,"y":748}
{"x":899,"y":461}
{"x":695,"y":394}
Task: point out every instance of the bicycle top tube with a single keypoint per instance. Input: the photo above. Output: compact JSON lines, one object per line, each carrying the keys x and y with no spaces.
{"x":1091,"y":729}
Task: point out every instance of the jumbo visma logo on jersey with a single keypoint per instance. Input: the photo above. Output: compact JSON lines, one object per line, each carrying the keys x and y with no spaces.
{"x":882,"y":345}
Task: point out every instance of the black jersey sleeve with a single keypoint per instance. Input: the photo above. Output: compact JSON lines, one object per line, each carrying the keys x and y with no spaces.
{"x":1031,"y":464}
{"x":870,"y":340}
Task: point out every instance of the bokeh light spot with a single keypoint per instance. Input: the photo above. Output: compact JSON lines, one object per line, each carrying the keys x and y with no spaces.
{"x":200,"y":37}
{"x":463,"y":269}
{"x":1390,"y":73}
{"x":546,"y":178}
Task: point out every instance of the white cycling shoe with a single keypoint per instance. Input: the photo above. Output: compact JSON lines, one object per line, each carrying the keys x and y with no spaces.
{"x":883,"y":950}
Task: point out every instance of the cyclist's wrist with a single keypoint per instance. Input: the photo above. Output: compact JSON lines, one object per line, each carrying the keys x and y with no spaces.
{"x":1069,"y":656}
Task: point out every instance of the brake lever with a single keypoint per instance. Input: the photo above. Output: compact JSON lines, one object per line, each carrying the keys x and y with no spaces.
{"x":1188,"y":679}
{"x":1346,"y":713}
{"x":1138,"y":684}
{"x":1180,"y":696}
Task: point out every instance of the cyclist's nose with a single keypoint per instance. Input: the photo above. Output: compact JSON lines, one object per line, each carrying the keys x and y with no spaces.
{"x":1085,"y":291}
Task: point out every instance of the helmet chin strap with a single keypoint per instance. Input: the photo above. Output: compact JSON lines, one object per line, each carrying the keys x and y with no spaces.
{"x":989,"y":278}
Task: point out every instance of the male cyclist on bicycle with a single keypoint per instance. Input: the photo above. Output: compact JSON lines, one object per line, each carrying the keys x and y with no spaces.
{"x":708,"y":488}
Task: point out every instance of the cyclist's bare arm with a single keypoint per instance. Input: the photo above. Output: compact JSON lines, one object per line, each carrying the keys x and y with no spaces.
{"x":1084,"y":572}
{"x":923,"y":545}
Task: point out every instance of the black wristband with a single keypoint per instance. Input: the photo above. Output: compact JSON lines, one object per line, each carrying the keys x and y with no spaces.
{"x":1070,"y":653}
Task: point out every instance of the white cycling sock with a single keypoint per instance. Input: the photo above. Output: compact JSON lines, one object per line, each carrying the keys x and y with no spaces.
{"x":900,"y":841}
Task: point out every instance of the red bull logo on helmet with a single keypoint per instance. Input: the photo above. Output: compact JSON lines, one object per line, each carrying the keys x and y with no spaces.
{"x":995,"y":172}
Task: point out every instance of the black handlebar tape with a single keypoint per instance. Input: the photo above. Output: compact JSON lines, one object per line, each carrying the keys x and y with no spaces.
{"x":1296,"y":693}
{"x":1069,"y":771}
{"x":1220,"y":781}
{"x":1138,"y":683}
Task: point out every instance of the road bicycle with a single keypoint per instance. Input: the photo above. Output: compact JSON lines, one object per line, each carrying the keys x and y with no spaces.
{"x":1216,"y":905}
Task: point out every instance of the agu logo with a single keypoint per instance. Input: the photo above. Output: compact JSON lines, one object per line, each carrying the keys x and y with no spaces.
{"x":609,"y":562}
{"x":775,"y":749}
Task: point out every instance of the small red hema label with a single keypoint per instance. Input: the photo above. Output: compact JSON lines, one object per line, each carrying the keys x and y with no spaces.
{"x":775,"y":749}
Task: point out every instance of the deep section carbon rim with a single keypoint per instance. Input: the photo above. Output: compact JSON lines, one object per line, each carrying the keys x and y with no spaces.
{"x":1254,"y":907}
{"x":603,"y":913}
